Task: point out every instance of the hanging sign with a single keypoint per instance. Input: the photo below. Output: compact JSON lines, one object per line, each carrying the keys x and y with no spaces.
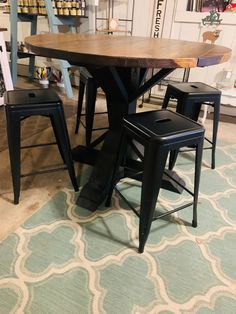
{"x":158,"y":20}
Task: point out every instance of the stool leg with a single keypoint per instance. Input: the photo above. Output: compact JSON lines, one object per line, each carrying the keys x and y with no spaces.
{"x":154,"y":165}
{"x":166,"y":98}
{"x":13,"y":135}
{"x":198,"y":162}
{"x":173,"y":158}
{"x":57,"y":139}
{"x":64,"y":143}
{"x":214,"y":132}
{"x":91,"y":95}
{"x":189,"y":108}
{"x":80,"y":104}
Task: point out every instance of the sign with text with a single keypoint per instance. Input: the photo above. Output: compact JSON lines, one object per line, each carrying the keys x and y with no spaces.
{"x":157,"y":29}
{"x":158,"y":20}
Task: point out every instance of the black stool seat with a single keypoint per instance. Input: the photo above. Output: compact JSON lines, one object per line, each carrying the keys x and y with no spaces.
{"x":159,"y":132}
{"x":190,"y":97}
{"x":21,"y":104}
{"x":162,"y":125}
{"x":195,"y":89}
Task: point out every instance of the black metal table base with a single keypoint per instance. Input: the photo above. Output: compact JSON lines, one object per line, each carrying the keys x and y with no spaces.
{"x":85,"y":155}
{"x":95,"y":190}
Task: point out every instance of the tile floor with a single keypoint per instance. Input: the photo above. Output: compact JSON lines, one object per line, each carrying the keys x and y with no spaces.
{"x":36,"y":190}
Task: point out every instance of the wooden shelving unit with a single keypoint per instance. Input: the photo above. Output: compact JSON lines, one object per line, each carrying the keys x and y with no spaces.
{"x":60,"y":7}
{"x":17,"y":14}
{"x":113,"y":23}
{"x":72,"y":23}
{"x":14,"y":19}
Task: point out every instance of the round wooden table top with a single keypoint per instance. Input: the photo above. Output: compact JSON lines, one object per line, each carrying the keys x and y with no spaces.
{"x":126,"y":51}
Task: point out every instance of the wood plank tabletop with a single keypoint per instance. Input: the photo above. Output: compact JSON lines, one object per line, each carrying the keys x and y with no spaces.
{"x":124,"y":51}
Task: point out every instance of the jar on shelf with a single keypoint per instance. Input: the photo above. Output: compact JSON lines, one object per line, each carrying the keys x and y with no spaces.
{"x":7,"y":9}
{"x":73,"y":4}
{"x":19,"y":9}
{"x":60,"y":11}
{"x":73,"y":11}
{"x":44,"y":11}
{"x":66,"y":11}
{"x":41,"y":3}
{"x":69,"y":4}
{"x":33,"y":10}
{"x":79,"y":12}
{"x":25,"y":3}
{"x":25,"y":9}
{"x":59,"y":4}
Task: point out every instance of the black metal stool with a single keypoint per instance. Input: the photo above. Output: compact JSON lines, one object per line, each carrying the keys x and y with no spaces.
{"x":159,"y":132}
{"x":21,"y":104}
{"x":89,"y":83}
{"x":190,"y":97}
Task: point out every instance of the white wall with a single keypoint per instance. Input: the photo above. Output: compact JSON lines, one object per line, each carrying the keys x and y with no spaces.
{"x":143,"y":16}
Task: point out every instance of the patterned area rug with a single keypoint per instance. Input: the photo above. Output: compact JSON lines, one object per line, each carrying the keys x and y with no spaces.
{"x":65,"y":259}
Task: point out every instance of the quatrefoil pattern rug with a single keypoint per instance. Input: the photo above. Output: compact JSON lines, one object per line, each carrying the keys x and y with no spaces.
{"x":65,"y":259}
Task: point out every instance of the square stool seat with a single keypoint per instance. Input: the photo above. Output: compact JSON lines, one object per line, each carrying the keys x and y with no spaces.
{"x":195,"y":89}
{"x":162,"y":126}
{"x":36,"y":97}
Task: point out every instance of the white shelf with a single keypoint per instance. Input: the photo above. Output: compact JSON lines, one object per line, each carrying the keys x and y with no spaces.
{"x":228,"y":97}
{"x":196,"y":17}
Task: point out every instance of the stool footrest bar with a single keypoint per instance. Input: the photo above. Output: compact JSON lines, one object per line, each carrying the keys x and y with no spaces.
{"x":42,"y":172}
{"x":38,"y":145}
{"x":172,"y":211}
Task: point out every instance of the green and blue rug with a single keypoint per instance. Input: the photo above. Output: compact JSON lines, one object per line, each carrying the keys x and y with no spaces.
{"x":65,"y":259}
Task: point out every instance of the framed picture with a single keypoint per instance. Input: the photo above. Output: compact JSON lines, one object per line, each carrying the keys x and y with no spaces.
{"x":5,"y":74}
{"x":216,"y":5}
{"x":207,"y":5}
